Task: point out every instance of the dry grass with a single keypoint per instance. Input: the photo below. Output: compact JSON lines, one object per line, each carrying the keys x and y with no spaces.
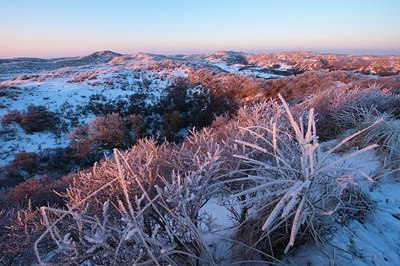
{"x":292,"y":192}
{"x":339,"y":109}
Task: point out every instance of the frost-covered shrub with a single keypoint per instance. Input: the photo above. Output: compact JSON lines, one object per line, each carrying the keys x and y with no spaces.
{"x":228,"y":91}
{"x":35,"y":119}
{"x":54,"y":163}
{"x":24,"y":191}
{"x":386,"y":133}
{"x":137,"y":104}
{"x":224,"y":132}
{"x":292,"y":188}
{"x":185,"y":106}
{"x":331,"y":106}
{"x":18,"y":231}
{"x":99,"y":105}
{"x":146,"y":202}
{"x":58,"y":162}
{"x":143,"y":205}
{"x":37,"y":192}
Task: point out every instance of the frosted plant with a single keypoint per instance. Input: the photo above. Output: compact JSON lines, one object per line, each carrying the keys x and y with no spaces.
{"x":130,"y":218}
{"x":299,"y":183}
{"x":333,"y":103}
{"x":386,"y":134}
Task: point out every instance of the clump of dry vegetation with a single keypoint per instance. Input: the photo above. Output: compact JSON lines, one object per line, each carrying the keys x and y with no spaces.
{"x":35,"y":119}
{"x":343,"y":108}
{"x":294,"y":189}
{"x":298,"y":88}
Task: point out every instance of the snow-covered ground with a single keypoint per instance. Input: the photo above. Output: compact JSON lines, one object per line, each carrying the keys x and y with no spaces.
{"x":22,"y":141}
{"x":258,"y":72}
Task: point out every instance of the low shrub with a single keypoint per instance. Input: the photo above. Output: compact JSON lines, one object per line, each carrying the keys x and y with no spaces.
{"x":35,"y":119}
{"x":24,"y":165}
{"x":386,"y":134}
{"x":105,"y":133}
{"x":143,"y":205}
{"x":10,"y":117}
{"x":336,"y":107}
{"x":38,"y":192}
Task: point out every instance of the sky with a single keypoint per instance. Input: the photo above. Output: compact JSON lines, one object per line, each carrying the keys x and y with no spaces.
{"x":55,"y":28}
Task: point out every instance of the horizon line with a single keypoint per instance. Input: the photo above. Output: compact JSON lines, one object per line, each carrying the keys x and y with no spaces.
{"x":343,"y":51}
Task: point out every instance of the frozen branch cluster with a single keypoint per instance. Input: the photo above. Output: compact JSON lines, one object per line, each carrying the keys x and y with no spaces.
{"x":299,"y":184}
{"x":136,"y":208}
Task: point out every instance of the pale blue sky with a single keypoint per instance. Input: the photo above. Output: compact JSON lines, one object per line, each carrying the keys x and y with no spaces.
{"x":48,"y":28}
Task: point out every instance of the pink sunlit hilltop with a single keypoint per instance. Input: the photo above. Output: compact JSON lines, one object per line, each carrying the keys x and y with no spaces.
{"x":247,"y":133}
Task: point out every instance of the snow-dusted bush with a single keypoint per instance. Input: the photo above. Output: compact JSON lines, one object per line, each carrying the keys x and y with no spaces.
{"x":99,"y":105}
{"x":227,"y":90}
{"x":332,"y":104}
{"x":139,"y":207}
{"x":386,"y":133}
{"x":19,"y":230}
{"x":293,"y":187}
{"x":10,"y":117}
{"x":37,"y":192}
{"x":37,"y":119}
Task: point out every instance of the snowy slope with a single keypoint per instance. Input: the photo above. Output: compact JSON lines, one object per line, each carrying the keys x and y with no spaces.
{"x":67,"y":85}
{"x":67,"y":91}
